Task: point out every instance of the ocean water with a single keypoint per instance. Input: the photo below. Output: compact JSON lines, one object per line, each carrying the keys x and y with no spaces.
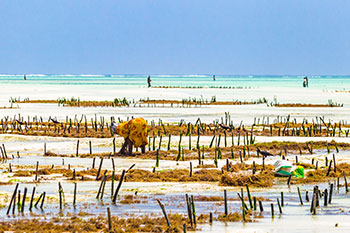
{"x":315,"y":82}
{"x":283,"y":89}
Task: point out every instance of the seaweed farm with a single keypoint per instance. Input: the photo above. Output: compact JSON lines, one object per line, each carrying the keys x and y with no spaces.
{"x":229,"y":157}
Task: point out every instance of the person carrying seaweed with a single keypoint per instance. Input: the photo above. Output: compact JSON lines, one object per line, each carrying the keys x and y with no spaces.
{"x":134,"y":133}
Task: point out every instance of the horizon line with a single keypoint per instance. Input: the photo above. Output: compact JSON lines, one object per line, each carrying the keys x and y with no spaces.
{"x":180,"y":74}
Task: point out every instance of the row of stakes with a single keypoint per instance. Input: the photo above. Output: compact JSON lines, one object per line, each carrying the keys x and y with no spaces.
{"x":315,"y":201}
{"x":314,"y":204}
{"x":200,"y":157}
{"x":314,"y":129}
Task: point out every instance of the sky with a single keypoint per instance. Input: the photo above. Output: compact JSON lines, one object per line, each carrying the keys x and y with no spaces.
{"x":175,"y":37}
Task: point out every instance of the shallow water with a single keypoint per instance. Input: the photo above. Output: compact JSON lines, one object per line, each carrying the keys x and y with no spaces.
{"x":181,"y":80}
{"x":84,"y":163}
{"x":34,"y":145}
{"x":295,"y":218}
{"x":286,"y":89}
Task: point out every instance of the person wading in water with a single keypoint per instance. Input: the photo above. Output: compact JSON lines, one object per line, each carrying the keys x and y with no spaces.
{"x":306,"y":82}
{"x":149,"y":81}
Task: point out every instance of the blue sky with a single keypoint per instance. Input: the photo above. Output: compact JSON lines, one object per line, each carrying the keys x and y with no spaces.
{"x":175,"y":37}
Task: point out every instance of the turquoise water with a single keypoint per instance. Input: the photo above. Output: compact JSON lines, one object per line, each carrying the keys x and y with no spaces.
{"x":315,"y":82}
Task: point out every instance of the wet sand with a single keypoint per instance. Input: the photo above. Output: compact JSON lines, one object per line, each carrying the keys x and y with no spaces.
{"x":295,"y":218}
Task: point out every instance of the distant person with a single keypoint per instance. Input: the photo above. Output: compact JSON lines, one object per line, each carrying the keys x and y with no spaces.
{"x":306,"y":82}
{"x":149,"y":81}
{"x":25,"y":77}
{"x":213,"y":77}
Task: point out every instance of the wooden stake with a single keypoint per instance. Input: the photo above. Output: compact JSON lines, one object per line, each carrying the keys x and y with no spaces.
{"x":329,"y":167}
{"x":118,"y":187}
{"x":261,"y":206}
{"x":164,"y":213}
{"x":249,"y":197}
{"x":75,"y":195}
{"x":77,"y":152}
{"x":36,"y":170}
{"x":300,"y":199}
{"x":37,"y":202}
{"x":225,"y":199}
{"x":103,"y":186}
{"x":243,"y":205}
{"x":42,"y":200}
{"x":24,"y":199}
{"x":282,"y":199}
{"x":279,"y":205}
{"x":189,"y":209}
{"x":109,"y":219}
{"x":112,"y":184}
{"x":12,"y":202}
{"x":272,"y":211}
{"x":346,"y":183}
{"x":113,"y":165}
{"x":99,"y":169}
{"x":190,"y":169}
{"x":193,"y":211}
{"x":330,"y":193}
{"x":93,"y":163}
{"x":254,"y":203}
{"x":289,"y":178}
{"x":113,"y":146}
{"x":31,"y":199}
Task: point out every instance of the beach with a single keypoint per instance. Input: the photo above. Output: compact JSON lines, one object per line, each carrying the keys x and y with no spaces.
{"x":186,"y":137}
